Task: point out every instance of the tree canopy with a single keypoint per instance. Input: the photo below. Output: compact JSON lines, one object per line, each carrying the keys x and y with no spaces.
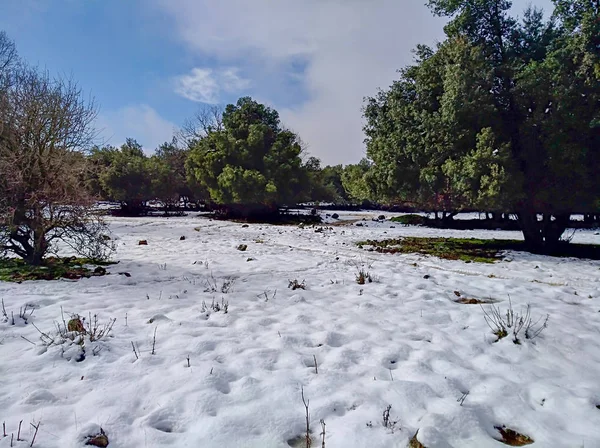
{"x":504,"y":115}
{"x":250,"y":160}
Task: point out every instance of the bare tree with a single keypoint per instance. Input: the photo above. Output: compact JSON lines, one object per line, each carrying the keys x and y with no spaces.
{"x":8,"y":56}
{"x":45,"y":127}
{"x":206,"y":120}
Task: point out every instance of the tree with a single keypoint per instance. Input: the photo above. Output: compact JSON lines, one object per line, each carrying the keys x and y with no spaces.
{"x":127,"y":179}
{"x":332,"y":178}
{"x":355,"y":182}
{"x":207,"y":119}
{"x":45,"y":128}
{"x":251,"y":163}
{"x":501,"y":116}
{"x":99,"y":160}
{"x":168,"y":176}
{"x":9,"y":59}
{"x":319,"y":187}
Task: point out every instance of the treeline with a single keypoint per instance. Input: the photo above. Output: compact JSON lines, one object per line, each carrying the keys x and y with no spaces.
{"x":502,"y":116}
{"x":235,"y":159}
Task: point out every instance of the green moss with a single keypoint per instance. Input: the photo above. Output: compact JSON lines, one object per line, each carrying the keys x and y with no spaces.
{"x":16,"y":270}
{"x":467,"y":250}
{"x":410,"y":220}
{"x":472,"y":250}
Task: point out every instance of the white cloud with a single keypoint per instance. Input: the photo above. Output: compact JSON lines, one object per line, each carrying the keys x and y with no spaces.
{"x":350,"y":48}
{"x":140,"y":122}
{"x":204,"y":85}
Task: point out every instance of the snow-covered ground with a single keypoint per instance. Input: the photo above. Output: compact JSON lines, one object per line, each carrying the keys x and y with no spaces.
{"x":401,"y":341}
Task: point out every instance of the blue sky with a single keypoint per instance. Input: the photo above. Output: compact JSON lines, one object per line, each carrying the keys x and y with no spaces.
{"x":150,"y":64}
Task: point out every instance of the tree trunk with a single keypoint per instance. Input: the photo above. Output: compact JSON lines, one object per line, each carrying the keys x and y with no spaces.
{"x":40,"y":246}
{"x":543,"y":236}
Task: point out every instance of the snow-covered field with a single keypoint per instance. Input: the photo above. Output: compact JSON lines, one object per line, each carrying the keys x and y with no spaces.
{"x":401,"y":341}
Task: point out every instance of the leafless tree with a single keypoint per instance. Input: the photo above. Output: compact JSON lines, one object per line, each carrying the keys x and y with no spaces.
{"x":8,"y":57}
{"x":45,"y":127}
{"x":207,"y":119}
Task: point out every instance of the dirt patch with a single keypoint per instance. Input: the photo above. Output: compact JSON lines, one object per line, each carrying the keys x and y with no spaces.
{"x":473,"y":301}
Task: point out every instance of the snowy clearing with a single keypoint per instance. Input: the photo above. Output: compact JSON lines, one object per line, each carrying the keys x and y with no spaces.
{"x":234,"y":379}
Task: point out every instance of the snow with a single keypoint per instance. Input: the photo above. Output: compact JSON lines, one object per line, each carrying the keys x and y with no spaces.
{"x":400,"y":341}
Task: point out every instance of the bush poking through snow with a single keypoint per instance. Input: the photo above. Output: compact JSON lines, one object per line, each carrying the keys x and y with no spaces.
{"x":216,"y":306}
{"x":25,"y":312}
{"x":307,"y":435}
{"x":388,"y":423}
{"x":72,"y":336}
{"x":363,"y":277}
{"x":212,"y":285}
{"x":501,"y":324}
{"x":294,"y":285}
{"x":19,"y":439}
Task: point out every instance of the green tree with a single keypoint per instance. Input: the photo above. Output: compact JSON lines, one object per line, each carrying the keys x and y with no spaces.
{"x":128,"y":179}
{"x":332,"y":179}
{"x":99,"y":160}
{"x":501,"y":116}
{"x":354,"y":180}
{"x":251,"y":162}
{"x":168,"y":175}
{"x":320,"y":183}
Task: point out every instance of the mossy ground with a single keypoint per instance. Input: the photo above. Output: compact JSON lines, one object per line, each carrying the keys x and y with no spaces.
{"x":471,"y":249}
{"x":16,"y":270}
{"x":412,"y":220}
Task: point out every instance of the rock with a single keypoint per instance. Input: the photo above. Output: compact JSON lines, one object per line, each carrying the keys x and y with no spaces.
{"x":426,"y":276}
{"x":381,"y":217}
{"x":142,"y":243}
{"x":126,"y":274}
{"x":335,"y":216}
{"x":242,"y":247}
{"x":99,"y":271}
{"x":244,"y":226}
{"x":181,"y":238}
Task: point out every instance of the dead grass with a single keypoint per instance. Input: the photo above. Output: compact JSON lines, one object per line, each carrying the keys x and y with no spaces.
{"x":414,"y":442}
{"x":512,"y":438}
{"x":471,"y":300}
{"x":363,"y":277}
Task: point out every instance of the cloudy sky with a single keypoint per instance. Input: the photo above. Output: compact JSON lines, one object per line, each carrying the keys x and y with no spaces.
{"x":151,"y":63}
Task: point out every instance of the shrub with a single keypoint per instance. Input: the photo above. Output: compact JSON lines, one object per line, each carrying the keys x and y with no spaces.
{"x":501,"y":324}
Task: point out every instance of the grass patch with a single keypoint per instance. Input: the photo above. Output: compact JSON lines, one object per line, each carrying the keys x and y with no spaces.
{"x":410,"y":220}
{"x":473,"y":249}
{"x":16,"y":270}
{"x":468,"y":250}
